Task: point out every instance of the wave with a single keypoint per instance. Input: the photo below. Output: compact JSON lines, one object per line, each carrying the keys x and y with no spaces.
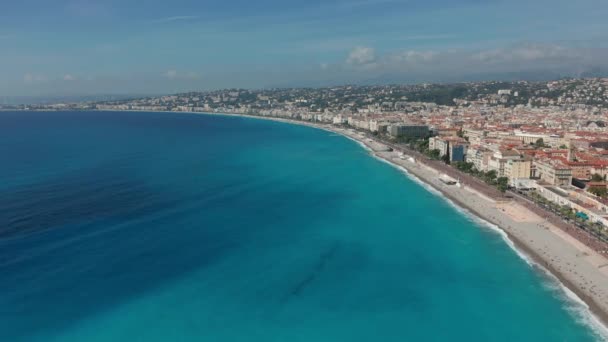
{"x":365,"y":147}
{"x":574,"y":304}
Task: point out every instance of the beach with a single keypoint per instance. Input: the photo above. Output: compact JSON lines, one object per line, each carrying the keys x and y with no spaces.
{"x":579,"y":268}
{"x":582,"y":271}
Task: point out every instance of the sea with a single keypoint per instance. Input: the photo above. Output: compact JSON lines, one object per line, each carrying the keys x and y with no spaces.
{"x":135,"y":226}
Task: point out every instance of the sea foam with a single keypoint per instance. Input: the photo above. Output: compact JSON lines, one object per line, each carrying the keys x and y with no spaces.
{"x":574,"y":303}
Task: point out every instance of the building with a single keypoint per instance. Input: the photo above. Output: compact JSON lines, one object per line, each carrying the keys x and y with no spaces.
{"x":458,"y":152}
{"x":408,"y":130}
{"x":339,"y":120}
{"x":479,"y":157}
{"x":518,"y":169}
{"x":377,"y":126}
{"x":551,"y":140}
{"x":523,"y":184}
{"x":499,"y":160}
{"x":578,"y":200}
{"x":553,"y":172}
{"x":455,"y":148}
{"x":447,"y":132}
{"x":581,"y":170}
{"x":438,"y":143}
{"x":475,"y":135}
{"x":359,"y":122}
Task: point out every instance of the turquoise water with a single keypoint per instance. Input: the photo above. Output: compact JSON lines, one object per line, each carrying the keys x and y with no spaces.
{"x":178,"y":227}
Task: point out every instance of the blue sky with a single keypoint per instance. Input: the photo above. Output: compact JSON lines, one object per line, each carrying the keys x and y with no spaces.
{"x":72,"y":47}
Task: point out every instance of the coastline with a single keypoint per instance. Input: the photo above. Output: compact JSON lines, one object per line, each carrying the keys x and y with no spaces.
{"x":578,"y":270}
{"x":574,"y":279}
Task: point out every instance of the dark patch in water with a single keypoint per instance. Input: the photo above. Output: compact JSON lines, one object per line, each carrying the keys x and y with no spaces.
{"x":322,"y":262}
{"x":85,"y":242}
{"x":100,"y":271}
{"x":104,"y":192}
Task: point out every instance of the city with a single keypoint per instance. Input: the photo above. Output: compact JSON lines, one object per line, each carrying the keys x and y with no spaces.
{"x":318,"y":170}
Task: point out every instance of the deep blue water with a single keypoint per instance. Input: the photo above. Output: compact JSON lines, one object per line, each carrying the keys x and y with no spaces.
{"x":160,"y":227}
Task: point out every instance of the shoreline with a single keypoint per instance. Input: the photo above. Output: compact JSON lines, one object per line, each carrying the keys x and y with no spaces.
{"x":527,"y":238}
{"x":596,"y":309}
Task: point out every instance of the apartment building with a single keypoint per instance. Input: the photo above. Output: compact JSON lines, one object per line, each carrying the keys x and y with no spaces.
{"x":499,"y":159}
{"x":409,"y":130}
{"x":455,"y":148}
{"x":518,"y":169}
{"x":553,"y":172}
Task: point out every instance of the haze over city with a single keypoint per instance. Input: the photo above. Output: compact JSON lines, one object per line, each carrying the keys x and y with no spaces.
{"x":89,"y":47}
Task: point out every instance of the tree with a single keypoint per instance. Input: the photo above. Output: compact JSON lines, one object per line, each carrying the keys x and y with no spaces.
{"x":599,"y":191}
{"x":572,"y":214}
{"x":490,"y":176}
{"x":565,"y":210}
{"x":597,"y":178}
{"x":403,"y":140}
{"x":502,"y":180}
{"x":502,"y":183}
{"x":540,"y":143}
{"x":464,"y":166}
{"x":446,"y":159}
{"x":434,"y":154}
{"x":422,"y":145}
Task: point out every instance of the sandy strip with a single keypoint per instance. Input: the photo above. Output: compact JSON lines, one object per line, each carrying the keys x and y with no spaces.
{"x":582,"y":270}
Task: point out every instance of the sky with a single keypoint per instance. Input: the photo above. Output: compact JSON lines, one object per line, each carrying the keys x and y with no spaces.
{"x":88,"y":47}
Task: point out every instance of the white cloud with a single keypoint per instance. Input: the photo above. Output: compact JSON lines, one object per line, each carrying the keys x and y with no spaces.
{"x":171,"y":74}
{"x":528,"y":53}
{"x":517,"y":57}
{"x":536,"y":60}
{"x":33,"y":78}
{"x":361,"y":55}
{"x":365,"y":59}
{"x":192,"y":75}
{"x":68,"y":77}
{"x":413,"y":56}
